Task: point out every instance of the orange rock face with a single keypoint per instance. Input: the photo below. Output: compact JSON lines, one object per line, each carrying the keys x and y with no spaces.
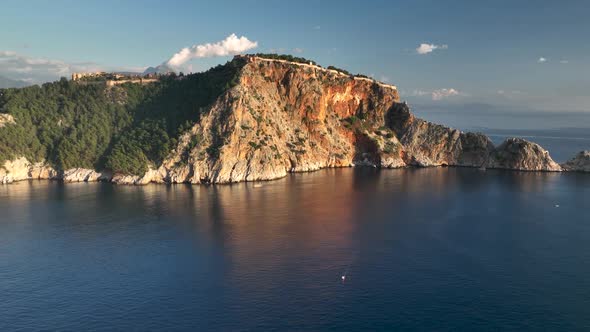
{"x":284,"y":117}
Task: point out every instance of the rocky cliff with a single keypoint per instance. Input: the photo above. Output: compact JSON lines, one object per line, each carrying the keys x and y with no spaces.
{"x":580,"y":163}
{"x":6,"y":119}
{"x":285,"y":117}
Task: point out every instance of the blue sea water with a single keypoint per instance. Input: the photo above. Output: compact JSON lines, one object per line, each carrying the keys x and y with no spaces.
{"x":442,"y":249}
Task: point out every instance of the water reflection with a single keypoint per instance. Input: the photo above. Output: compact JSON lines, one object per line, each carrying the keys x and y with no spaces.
{"x":226,"y":257}
{"x":322,"y":210}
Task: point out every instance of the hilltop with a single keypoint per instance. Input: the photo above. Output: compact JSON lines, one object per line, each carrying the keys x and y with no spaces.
{"x":257,"y":117}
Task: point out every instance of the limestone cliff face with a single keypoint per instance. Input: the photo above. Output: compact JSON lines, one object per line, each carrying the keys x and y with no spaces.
{"x":6,"y":119}
{"x":580,"y":163}
{"x":285,"y":117}
{"x":21,"y":169}
{"x":519,"y":154}
{"x":429,"y":144}
{"x":288,"y":118}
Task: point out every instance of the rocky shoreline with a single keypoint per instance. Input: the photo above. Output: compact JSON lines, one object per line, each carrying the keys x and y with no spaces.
{"x":281,"y":118}
{"x":22,"y":170}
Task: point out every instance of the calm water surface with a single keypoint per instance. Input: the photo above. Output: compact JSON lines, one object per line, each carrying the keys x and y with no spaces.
{"x":422,"y":249}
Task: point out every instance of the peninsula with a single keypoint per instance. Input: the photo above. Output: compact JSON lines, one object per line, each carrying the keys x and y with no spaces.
{"x":258,"y":117}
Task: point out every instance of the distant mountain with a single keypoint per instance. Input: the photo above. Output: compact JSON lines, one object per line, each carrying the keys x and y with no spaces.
{"x":6,"y":82}
{"x":150,"y":70}
{"x":161,"y":69}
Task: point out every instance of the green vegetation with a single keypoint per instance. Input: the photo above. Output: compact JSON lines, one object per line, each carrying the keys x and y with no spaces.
{"x":123,"y":128}
{"x":351,"y":121}
{"x":188,"y":148}
{"x":285,"y":57}
{"x":390,"y":148}
{"x":355,"y":123}
{"x":255,"y":145}
{"x":363,"y":76}
{"x":343,"y":71}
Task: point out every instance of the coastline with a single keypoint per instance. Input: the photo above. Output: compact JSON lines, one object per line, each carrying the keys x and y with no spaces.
{"x":78,"y":175}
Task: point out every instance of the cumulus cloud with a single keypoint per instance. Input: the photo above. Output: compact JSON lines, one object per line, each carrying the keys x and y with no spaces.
{"x":541,"y":60}
{"x":444,"y":93}
{"x":231,"y":45}
{"x":429,"y":48}
{"x":437,"y":94}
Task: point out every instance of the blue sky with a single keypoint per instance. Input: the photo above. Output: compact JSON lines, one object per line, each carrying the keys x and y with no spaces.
{"x":489,"y":50}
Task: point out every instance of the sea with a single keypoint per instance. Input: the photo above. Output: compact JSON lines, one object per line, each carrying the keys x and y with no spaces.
{"x":353,"y":249}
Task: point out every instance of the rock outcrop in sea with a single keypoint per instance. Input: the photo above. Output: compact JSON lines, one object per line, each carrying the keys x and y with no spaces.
{"x":520,"y":154}
{"x":286,"y":117}
{"x":580,"y":163}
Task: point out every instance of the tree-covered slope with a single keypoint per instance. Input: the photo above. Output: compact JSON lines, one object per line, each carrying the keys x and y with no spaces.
{"x":121,"y":128}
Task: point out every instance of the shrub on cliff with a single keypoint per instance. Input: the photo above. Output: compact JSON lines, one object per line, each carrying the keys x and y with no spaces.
{"x":340,"y":70}
{"x":286,"y":57}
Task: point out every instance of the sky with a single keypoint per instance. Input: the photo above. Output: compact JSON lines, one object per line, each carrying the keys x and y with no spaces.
{"x":526,"y":55}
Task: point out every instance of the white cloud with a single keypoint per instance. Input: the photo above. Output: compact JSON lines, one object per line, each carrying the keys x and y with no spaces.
{"x":429,"y":48}
{"x":231,"y":45}
{"x":438,"y":94}
{"x":444,"y":93}
{"x":510,"y":94}
{"x":14,"y":64}
{"x":541,"y":60}
{"x":564,"y":61}
{"x":39,"y":70}
{"x":36,"y":70}
{"x":297,"y":50}
{"x":420,"y":93}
